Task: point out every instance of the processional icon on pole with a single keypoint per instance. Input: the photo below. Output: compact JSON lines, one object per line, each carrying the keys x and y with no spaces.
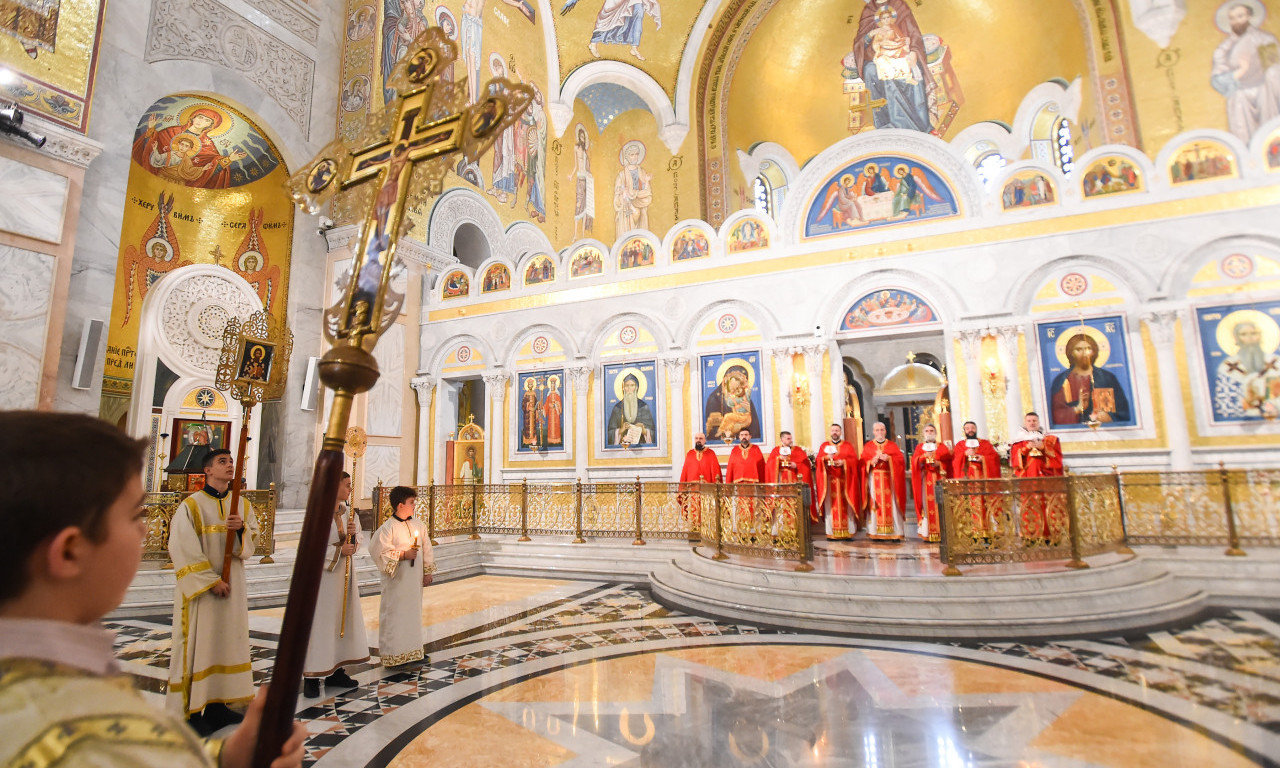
{"x":405,"y":151}
{"x":253,"y":365}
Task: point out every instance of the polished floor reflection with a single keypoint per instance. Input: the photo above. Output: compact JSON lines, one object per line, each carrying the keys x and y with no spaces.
{"x":528,"y":672}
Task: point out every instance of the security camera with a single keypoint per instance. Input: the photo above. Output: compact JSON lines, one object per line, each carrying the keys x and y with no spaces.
{"x":326,"y":224}
{"x":11,"y":122}
{"x":817,"y":331}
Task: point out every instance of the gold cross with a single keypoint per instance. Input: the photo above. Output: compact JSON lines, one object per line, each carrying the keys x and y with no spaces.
{"x":216,"y":253}
{"x":426,"y":121}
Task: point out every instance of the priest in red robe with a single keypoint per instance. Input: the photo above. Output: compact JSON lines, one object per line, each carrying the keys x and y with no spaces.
{"x":930,"y":463}
{"x":746,"y":465}
{"x":884,"y":491}
{"x":839,"y":486}
{"x":976,"y":459}
{"x":787,"y":464}
{"x":1036,"y":454}
{"x":701,"y":465}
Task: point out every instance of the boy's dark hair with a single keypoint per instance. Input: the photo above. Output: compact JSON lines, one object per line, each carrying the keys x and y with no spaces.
{"x":38,"y":454}
{"x":346,"y":476}
{"x":211,"y":455}
{"x":400,"y":494}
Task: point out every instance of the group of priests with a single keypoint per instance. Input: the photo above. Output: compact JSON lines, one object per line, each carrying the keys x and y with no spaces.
{"x":855,"y":489}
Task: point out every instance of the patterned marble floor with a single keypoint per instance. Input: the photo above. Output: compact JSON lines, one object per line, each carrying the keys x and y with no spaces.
{"x":530,"y":672}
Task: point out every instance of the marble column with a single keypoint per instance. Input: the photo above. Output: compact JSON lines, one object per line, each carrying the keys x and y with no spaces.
{"x":787,"y":407}
{"x":425,"y":386}
{"x":818,"y":418}
{"x":1007,"y":345}
{"x":496,"y":444}
{"x":580,"y":376}
{"x":971,"y":344}
{"x":678,"y":440}
{"x":1162,"y":325}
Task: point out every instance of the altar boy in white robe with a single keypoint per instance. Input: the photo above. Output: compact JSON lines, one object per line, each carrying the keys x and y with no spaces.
{"x":402,"y":551}
{"x":209,"y":665}
{"x":337,"y":632}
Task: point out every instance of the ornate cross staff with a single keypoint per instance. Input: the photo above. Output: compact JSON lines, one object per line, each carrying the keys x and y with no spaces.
{"x":404,"y":151}
{"x":253,"y":365}
{"x":357,"y":440}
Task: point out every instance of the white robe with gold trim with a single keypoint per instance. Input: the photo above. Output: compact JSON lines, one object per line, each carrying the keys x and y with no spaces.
{"x":400,"y":609}
{"x":209,"y":660}
{"x":332,"y":644}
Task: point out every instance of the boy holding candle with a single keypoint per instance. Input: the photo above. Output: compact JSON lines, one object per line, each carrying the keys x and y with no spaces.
{"x":402,"y":551}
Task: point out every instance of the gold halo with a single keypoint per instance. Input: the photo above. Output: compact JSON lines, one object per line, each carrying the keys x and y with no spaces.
{"x":553,"y":381}
{"x":901,"y":169}
{"x":227,"y":118}
{"x":870,"y":168}
{"x":1266,"y":325}
{"x":847,"y":180}
{"x":1060,"y":347}
{"x":731,"y":362}
{"x":641,"y":388}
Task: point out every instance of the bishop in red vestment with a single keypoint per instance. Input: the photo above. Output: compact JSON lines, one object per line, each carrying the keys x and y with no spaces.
{"x":976,"y":459}
{"x":930,"y":463}
{"x":839,"y":486}
{"x":885,"y":491}
{"x":701,"y":465}
{"x":1035,"y":454}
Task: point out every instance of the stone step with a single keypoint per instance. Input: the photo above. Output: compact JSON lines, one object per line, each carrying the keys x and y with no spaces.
{"x":1126,"y":595}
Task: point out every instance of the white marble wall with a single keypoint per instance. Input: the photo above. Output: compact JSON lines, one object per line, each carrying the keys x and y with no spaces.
{"x":35,"y":201}
{"x":26,"y":290}
{"x":298,"y":116}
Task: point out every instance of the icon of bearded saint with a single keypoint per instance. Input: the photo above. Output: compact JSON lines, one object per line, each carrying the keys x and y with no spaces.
{"x":1247,"y":384}
{"x":729,"y":408}
{"x":631,"y":420}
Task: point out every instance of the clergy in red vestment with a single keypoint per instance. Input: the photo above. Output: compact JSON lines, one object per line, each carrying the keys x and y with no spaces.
{"x":746,"y":465}
{"x":787,"y":463}
{"x":884,"y":491}
{"x":976,"y":459}
{"x":1035,"y":454}
{"x":839,"y":486}
{"x":701,"y":465}
{"x":930,"y":463}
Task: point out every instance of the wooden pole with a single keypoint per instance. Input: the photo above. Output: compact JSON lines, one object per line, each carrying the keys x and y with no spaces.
{"x":235,"y":493}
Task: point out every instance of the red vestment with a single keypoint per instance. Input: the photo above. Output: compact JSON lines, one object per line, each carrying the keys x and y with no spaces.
{"x":982,"y":464}
{"x":745,"y":466}
{"x":839,"y":481}
{"x":1037,"y":508}
{"x":792,"y":468}
{"x":884,"y":493}
{"x":927,"y":468}
{"x":700,"y":466}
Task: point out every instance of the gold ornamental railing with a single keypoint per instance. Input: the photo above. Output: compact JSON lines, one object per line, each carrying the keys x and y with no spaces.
{"x":762,"y":520}
{"x":1012,"y":520}
{"x":159,"y":515}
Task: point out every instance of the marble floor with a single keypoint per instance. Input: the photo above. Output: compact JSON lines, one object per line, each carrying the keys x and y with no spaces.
{"x":536,"y":672}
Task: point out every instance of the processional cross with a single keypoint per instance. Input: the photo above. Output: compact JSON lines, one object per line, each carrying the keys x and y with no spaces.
{"x":405,"y":149}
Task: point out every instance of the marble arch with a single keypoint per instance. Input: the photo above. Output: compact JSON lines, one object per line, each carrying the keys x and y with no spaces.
{"x":1176,"y":281}
{"x":458,"y":206}
{"x":509,"y":360}
{"x":596,"y":336}
{"x":440,"y":351}
{"x":686,"y":334}
{"x":1135,"y":285}
{"x":942,"y":298}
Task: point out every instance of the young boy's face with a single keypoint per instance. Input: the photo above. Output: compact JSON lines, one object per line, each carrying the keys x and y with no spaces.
{"x":110,"y":564}
{"x":223,"y":469}
{"x":406,"y":507}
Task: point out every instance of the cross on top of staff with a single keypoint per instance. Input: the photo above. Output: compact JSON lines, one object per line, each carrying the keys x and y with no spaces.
{"x":405,"y":148}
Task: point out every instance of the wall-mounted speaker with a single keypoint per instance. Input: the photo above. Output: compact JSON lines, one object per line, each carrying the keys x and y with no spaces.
{"x":311,"y":385}
{"x":91,"y":338}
